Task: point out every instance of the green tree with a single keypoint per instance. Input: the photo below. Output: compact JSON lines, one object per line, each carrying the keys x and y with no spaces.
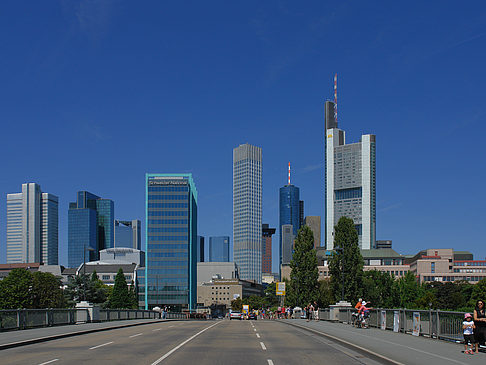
{"x":120,"y":297}
{"x":237,"y":304}
{"x":408,"y":289}
{"x":346,"y":264}
{"x":16,"y":290}
{"x":379,"y":290}
{"x":304,"y":274}
{"x":271,"y":298}
{"x":46,"y":291}
{"x":478,"y":293}
{"x":326,"y":296}
{"x":133,"y":295}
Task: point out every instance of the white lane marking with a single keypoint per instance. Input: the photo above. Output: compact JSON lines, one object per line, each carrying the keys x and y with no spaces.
{"x":171,"y":326}
{"x":138,"y":334}
{"x":270,"y":362}
{"x":182,"y":344}
{"x":263,"y":346}
{"x":48,"y":362}
{"x":103,"y":344}
{"x":254,"y":329}
{"x":157,"y":329}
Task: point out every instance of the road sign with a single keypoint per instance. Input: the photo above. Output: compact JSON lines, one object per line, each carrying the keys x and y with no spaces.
{"x":280,"y":288}
{"x":246,"y":309}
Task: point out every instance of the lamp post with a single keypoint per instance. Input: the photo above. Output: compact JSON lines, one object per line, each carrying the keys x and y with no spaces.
{"x":341,"y":251}
{"x":86,"y":248}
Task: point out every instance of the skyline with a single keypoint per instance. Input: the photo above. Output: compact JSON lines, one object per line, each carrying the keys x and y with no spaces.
{"x":96,"y":95}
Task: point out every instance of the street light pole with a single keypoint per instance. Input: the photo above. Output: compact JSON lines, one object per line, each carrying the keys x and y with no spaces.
{"x":340,"y":249}
{"x":84,"y":269}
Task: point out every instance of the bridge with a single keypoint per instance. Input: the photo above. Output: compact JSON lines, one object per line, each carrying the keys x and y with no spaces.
{"x":179,"y":341}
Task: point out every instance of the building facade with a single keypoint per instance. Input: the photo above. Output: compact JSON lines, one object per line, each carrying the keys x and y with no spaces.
{"x":267,"y":234}
{"x":350,"y":182}
{"x":314,"y":223}
{"x":32,"y":226}
{"x":91,"y":227}
{"x":219,"y":249}
{"x":287,"y":247}
{"x":247,"y":211}
{"x":128,"y":234}
{"x":200,"y":249}
{"x":171,"y":231}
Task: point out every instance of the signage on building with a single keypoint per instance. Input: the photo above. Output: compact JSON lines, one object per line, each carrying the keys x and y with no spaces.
{"x":280,"y":288}
{"x":167,"y":182}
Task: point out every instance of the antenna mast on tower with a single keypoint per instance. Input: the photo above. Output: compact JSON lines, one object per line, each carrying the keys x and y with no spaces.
{"x":335,"y":97}
{"x":289,"y":172}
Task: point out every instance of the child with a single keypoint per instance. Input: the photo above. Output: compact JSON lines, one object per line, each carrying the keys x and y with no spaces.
{"x":468,"y":326}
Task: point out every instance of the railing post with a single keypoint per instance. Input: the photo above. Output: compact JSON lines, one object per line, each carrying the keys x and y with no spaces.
{"x":438,"y":324}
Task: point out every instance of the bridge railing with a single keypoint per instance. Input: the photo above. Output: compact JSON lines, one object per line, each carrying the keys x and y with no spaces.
{"x":430,"y":323}
{"x":31,"y":318}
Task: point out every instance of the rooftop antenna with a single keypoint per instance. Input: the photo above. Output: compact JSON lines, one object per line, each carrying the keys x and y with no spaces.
{"x":335,"y":98}
{"x":289,"y":172}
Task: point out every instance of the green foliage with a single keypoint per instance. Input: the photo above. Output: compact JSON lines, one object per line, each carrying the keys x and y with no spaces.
{"x":46,"y":291}
{"x":271,"y":298}
{"x":16,"y":290}
{"x":303,"y":286}
{"x":84,"y":287}
{"x":254,"y":302}
{"x":326,"y":296}
{"x":237,"y":304}
{"x":346,"y":264}
{"x":478,"y":293}
{"x":408,"y":290}
{"x":379,"y":289}
{"x":120,"y":297}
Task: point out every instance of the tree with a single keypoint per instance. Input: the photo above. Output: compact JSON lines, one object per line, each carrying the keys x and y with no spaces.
{"x":346,"y":264}
{"x":271,"y":298}
{"x":304,"y":274}
{"x":237,"y":304}
{"x":46,"y":291}
{"x":326,"y":296}
{"x":478,"y":292}
{"x":120,"y":297}
{"x":408,"y":289}
{"x":379,"y":289}
{"x":16,"y":290}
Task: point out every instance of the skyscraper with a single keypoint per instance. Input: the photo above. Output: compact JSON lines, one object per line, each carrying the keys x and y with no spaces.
{"x":287,"y":248}
{"x":267,"y":233}
{"x":247,"y":211}
{"x":219,"y":249}
{"x":350,"y":182}
{"x":128,"y":234}
{"x":171,"y":231}
{"x":314,"y":223}
{"x":90,"y":227}
{"x":290,"y":215}
{"x":32,"y":226}
{"x":200,"y":249}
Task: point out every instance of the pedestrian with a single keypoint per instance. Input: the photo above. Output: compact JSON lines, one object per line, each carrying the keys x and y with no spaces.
{"x":480,"y":324}
{"x":316,"y":311}
{"x":310,"y":311}
{"x":468,"y":327}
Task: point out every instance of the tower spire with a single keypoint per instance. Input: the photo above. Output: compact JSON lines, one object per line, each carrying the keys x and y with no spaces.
{"x":335,"y":97}
{"x":289,"y":172}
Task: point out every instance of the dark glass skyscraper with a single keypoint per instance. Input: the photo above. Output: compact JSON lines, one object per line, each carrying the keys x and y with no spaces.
{"x":200,"y":248}
{"x":171,"y":249}
{"x":219,"y":249}
{"x":289,"y":204}
{"x":90,"y":227}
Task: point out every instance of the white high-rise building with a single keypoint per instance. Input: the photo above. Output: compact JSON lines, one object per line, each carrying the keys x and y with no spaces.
{"x":247,"y":211}
{"x":350,"y":182}
{"x":32,"y":226}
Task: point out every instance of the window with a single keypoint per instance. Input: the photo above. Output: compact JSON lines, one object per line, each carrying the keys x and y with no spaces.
{"x":432,"y":267}
{"x":106,"y":277}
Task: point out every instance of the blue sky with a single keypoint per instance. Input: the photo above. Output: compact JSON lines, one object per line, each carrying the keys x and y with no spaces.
{"x":94,"y":94}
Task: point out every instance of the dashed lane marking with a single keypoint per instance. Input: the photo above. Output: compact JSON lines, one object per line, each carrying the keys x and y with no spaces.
{"x":258,"y":335}
{"x":263,"y":346}
{"x":270,"y":362}
{"x":138,"y":334}
{"x":103,"y":344}
{"x":48,"y":362}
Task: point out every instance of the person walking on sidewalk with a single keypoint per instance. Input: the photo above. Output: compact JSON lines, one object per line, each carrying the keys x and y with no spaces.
{"x":316,"y":311}
{"x":480,"y":324}
{"x":468,"y":327}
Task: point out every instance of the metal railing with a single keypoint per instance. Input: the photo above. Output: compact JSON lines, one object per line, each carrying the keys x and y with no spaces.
{"x":430,"y":323}
{"x":31,"y":318}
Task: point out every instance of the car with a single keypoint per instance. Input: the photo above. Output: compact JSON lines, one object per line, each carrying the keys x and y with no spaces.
{"x":252,"y":316}
{"x":236,"y":315}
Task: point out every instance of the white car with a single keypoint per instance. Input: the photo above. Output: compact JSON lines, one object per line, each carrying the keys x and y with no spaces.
{"x":236,"y":315}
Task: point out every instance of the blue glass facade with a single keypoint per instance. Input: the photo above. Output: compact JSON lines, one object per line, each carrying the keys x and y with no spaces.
{"x":219,"y":249}
{"x":90,"y":224}
{"x":200,"y":249}
{"x":289,"y":207}
{"x":171,"y":246}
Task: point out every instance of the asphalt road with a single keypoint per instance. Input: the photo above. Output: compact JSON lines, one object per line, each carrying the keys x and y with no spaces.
{"x":190,"y":342}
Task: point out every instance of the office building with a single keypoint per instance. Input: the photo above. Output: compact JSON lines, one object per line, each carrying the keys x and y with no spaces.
{"x":290,"y":215}
{"x":247,"y":211}
{"x":219,"y":249}
{"x":206,"y":271}
{"x":287,"y":247}
{"x":349,"y":182}
{"x":383,"y":244}
{"x":128,"y":234}
{"x":267,"y":234}
{"x":301,"y":213}
{"x":171,"y":231}
{"x":90,"y":227}
{"x":200,"y":249}
{"x":32,"y":226}
{"x":314,"y":223}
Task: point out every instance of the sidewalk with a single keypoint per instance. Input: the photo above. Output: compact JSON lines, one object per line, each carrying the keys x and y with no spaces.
{"x":10,"y":339}
{"x":400,"y":347}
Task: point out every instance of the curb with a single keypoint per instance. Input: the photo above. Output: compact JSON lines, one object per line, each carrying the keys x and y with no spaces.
{"x":76,"y":333}
{"x":352,"y":346}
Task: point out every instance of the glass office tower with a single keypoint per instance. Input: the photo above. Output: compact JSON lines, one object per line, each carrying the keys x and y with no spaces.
{"x":350,"y":182}
{"x":171,"y":248}
{"x":90,"y":227}
{"x":289,"y":209}
{"x":32,"y":226}
{"x":247,"y":211}
{"x":200,"y":249}
{"x":128,"y":234}
{"x":219,"y":249}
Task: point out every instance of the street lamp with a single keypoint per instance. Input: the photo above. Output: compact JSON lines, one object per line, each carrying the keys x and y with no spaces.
{"x":86,"y":248}
{"x":341,"y":250}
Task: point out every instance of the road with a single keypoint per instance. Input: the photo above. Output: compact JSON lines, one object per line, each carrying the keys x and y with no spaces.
{"x":189,"y":342}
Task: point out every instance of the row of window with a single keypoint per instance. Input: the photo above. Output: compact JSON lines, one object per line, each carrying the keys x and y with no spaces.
{"x":452,"y":278}
{"x":168,"y":229}
{"x":167,"y":188}
{"x":167,"y":221}
{"x":167,"y":214}
{"x":168,"y":197}
{"x":167,"y":205}
{"x":167,"y":238}
{"x":166,"y":246}
{"x":168,"y":254}
{"x":471,"y":263}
